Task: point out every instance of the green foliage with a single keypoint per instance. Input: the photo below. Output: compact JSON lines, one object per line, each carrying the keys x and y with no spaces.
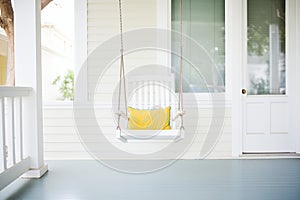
{"x":262,"y":15}
{"x":66,"y":85}
{"x":261,"y":86}
{"x":258,"y":41}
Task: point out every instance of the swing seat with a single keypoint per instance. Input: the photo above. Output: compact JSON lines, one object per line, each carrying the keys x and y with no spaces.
{"x":172,"y":134}
{"x":152,"y":93}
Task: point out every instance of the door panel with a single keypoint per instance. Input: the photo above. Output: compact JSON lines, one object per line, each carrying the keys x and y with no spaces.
{"x":256,"y":123}
{"x":266,"y":102}
{"x":279,"y":118}
{"x":266,"y":125}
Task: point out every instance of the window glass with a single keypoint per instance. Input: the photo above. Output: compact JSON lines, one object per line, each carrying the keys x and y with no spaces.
{"x":204,"y":23}
{"x":266,"y":47}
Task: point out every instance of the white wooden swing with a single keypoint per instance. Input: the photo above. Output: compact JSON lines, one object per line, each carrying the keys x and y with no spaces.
{"x":152,"y":91}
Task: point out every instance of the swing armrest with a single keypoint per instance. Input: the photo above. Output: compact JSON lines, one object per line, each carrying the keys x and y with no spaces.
{"x":122,"y":114}
{"x":178,"y":114}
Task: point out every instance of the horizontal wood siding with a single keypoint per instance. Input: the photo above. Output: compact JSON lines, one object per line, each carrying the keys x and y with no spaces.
{"x":62,"y":141}
{"x":60,"y":133}
{"x":103,"y":24}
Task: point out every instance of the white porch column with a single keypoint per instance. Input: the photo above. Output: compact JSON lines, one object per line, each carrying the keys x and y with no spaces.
{"x":28,"y":73}
{"x":297,"y":75}
{"x":234,"y":42}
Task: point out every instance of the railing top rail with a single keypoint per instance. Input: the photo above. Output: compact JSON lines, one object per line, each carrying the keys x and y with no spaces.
{"x":14,"y":91}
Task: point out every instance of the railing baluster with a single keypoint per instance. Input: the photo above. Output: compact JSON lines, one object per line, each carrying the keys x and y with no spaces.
{"x":13,"y":135}
{"x":3,"y":143}
{"x":21,"y":128}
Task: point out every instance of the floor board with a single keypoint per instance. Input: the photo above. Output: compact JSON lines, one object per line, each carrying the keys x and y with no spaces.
{"x":185,"y":179}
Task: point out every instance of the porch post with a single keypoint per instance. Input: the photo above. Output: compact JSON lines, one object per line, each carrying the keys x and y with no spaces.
{"x":28,"y":73}
{"x":297,"y":76}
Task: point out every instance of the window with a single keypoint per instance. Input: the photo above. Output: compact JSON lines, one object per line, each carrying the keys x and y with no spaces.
{"x":204,"y":22}
{"x":57,"y":34}
{"x":266,"y":47}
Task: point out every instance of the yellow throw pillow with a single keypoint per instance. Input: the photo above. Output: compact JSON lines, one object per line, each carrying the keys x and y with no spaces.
{"x":153,"y":119}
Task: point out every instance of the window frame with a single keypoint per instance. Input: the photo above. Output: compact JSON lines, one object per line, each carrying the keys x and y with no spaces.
{"x":164,"y":21}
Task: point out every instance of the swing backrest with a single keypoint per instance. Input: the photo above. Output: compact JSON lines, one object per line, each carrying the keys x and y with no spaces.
{"x":152,"y":91}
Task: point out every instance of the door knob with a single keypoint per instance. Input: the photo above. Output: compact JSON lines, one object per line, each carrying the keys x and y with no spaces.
{"x":244,"y":91}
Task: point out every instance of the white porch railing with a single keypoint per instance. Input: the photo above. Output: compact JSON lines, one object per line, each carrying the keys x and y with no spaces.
{"x":13,"y":163}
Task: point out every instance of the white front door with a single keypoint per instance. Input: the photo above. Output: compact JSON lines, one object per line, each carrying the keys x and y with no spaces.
{"x":267,"y":77}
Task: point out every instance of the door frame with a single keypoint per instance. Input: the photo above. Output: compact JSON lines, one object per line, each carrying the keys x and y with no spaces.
{"x":237,"y":57}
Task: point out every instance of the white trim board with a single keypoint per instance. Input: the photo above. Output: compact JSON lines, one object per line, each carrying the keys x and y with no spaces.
{"x":234,"y":19}
{"x":297,"y":102}
{"x":80,"y":46}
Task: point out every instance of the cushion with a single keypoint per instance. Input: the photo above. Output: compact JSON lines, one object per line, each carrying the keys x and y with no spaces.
{"x":153,"y":119}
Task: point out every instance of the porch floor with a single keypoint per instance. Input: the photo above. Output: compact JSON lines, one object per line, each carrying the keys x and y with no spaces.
{"x":186,"y":179}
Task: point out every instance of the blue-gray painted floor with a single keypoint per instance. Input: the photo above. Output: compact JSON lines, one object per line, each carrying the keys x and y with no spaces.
{"x":186,"y":179}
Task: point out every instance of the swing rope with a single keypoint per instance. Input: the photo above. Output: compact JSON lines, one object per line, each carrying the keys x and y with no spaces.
{"x":180,"y":95}
{"x":122,"y":72}
{"x":120,"y":113}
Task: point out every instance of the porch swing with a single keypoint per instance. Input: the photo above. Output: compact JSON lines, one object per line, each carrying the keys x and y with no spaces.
{"x":163,"y":131}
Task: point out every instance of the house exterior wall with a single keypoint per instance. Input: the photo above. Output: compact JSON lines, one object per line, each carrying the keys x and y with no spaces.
{"x":61,"y":137}
{"x":3,"y":57}
{"x":62,"y":141}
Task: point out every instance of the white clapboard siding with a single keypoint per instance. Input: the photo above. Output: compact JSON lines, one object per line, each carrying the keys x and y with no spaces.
{"x":61,"y":139}
{"x":103,"y":24}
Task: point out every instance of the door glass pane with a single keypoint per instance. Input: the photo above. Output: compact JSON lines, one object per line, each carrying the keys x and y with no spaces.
{"x":203,"y":22}
{"x":266,"y":63}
